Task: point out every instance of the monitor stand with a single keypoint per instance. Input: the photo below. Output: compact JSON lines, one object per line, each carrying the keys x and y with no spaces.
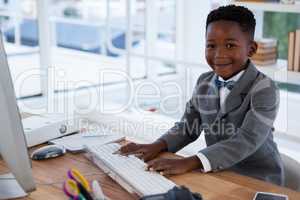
{"x":10,"y":188}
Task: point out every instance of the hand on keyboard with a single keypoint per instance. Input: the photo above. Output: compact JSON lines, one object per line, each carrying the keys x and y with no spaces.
{"x":128,"y":171}
{"x":145,"y":152}
{"x":167,"y":166}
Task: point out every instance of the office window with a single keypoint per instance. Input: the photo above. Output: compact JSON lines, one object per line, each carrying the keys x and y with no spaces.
{"x":81,"y":40}
{"x":288,"y":22}
{"x":278,"y":25}
{"x":21,"y":44}
{"x":164,"y":42}
{"x":154,"y":27}
{"x":90,"y":36}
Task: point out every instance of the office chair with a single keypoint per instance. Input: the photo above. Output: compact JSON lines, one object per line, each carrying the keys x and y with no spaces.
{"x":292,"y":172}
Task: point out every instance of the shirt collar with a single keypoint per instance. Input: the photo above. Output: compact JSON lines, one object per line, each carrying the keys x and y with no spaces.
{"x":234,"y":78}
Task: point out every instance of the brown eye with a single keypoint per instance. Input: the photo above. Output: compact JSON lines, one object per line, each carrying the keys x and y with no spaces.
{"x":210,"y":46}
{"x":230,"y":46}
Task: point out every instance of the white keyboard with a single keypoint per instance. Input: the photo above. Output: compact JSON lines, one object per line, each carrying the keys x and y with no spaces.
{"x":129,"y":171}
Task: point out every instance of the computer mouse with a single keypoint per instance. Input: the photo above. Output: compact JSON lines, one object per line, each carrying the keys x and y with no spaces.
{"x":49,"y":151}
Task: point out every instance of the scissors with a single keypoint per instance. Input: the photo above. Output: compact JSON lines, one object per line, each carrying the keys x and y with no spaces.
{"x":71,"y":190}
{"x":78,"y":186}
{"x":75,"y":175}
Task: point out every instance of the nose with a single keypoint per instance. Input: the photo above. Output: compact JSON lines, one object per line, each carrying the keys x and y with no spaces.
{"x":220,"y":52}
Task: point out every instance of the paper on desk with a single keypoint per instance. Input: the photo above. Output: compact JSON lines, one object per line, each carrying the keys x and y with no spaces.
{"x":77,"y":142}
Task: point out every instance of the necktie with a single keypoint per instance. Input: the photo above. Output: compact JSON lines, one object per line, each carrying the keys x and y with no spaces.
{"x":228,"y":84}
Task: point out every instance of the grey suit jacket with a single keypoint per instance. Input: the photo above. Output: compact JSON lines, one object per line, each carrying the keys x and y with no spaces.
{"x":238,"y":135}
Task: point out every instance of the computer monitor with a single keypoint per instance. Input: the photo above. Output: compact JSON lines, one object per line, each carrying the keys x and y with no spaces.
{"x":13,"y":148}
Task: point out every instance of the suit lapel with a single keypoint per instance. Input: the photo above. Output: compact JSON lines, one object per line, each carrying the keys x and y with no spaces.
{"x":214,"y":102}
{"x":241,"y":88}
{"x":209,"y":100}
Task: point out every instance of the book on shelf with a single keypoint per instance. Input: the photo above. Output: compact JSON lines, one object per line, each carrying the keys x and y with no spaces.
{"x":297,"y":52}
{"x":266,"y":42}
{"x":266,"y":53}
{"x":264,"y":62}
{"x":265,"y":56}
{"x":266,"y":50}
{"x":291,"y":50}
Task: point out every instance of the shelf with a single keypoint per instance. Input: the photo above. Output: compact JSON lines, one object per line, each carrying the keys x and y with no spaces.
{"x":273,"y":7}
{"x":287,"y":77}
{"x":278,"y":72}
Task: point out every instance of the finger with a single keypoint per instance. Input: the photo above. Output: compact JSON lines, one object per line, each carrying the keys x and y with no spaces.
{"x":159,"y":165}
{"x":148,"y":157}
{"x":156,"y":160}
{"x":138,"y":152}
{"x":128,"y":148}
{"x":151,"y":162}
{"x":139,"y":155}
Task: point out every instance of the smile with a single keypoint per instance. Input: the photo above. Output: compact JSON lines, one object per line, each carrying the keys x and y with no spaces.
{"x":222,"y":65}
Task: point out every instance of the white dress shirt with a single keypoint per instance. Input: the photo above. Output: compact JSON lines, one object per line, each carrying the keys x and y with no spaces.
{"x":224,"y":91}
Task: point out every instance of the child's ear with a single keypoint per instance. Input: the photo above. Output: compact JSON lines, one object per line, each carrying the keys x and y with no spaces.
{"x":252,"y":48}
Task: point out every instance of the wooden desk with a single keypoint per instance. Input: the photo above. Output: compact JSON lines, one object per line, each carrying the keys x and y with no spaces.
{"x":50,"y":174}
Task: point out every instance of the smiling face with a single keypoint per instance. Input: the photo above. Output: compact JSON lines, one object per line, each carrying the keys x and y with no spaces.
{"x":228,"y":48}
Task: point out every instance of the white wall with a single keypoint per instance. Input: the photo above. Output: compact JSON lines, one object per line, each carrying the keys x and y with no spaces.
{"x":195,"y":13}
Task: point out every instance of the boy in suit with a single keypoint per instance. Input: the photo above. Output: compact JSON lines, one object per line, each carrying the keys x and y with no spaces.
{"x":235,"y":105}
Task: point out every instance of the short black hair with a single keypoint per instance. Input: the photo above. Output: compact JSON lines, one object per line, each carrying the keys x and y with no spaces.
{"x":243,"y":16}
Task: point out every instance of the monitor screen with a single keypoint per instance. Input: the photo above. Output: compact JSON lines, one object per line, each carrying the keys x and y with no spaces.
{"x":13,"y":146}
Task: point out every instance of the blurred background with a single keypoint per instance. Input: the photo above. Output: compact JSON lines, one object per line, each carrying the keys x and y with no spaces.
{"x":148,"y":51}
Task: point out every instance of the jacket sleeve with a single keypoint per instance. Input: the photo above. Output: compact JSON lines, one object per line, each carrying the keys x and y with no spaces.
{"x":188,"y":129}
{"x":254,"y":131}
